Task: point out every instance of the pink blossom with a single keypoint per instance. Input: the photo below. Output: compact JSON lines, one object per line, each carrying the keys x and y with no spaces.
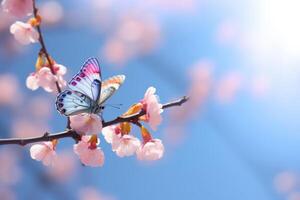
{"x":112,"y":134}
{"x":44,"y":152}
{"x":152,"y":107}
{"x":45,"y":79}
{"x":152,"y":150}
{"x":123,"y":145}
{"x":126,"y":146}
{"x":86,"y":123}
{"x":18,"y":8}
{"x":24,"y":33}
{"x":88,"y":152}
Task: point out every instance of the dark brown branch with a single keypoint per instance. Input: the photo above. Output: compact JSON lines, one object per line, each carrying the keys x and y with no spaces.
{"x":72,"y":134}
{"x":43,"y":46}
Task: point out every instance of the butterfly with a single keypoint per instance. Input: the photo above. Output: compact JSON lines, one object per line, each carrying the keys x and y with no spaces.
{"x":86,"y":91}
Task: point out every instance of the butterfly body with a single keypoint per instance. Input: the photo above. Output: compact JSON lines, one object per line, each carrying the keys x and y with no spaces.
{"x":87,"y":92}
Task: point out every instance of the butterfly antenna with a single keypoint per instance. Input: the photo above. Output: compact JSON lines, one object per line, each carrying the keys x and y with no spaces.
{"x":117,"y":106}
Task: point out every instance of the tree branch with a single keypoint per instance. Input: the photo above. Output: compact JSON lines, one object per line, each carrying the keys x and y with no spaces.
{"x":43,"y":46}
{"x":72,"y":134}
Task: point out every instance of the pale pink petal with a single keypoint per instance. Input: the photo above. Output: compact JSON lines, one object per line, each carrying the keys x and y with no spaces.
{"x":45,"y":79}
{"x":60,"y":69}
{"x":18,"y":8}
{"x":43,"y":152}
{"x":93,"y":157}
{"x":86,"y":123}
{"x":152,"y":150}
{"x":152,"y":107}
{"x":127,"y":146}
{"x":32,"y":82}
{"x":110,"y":134}
{"x":24,"y":33}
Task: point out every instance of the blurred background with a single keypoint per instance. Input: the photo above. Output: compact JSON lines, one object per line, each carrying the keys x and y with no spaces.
{"x":237,"y":138}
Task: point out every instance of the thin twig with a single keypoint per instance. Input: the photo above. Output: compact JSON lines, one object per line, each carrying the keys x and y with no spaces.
{"x":43,"y":46}
{"x":72,"y":134}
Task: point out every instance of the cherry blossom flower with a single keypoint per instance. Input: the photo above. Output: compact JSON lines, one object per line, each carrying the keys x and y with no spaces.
{"x":152,"y":107}
{"x":44,"y":152}
{"x":88,"y":151}
{"x":86,"y":123}
{"x":127,"y":146}
{"x":151,"y":150}
{"x":17,"y":8}
{"x":24,"y":32}
{"x":112,"y":134}
{"x":44,"y":78}
{"x":122,"y":143}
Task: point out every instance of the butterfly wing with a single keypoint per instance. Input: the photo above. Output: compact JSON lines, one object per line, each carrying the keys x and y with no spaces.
{"x":109,"y":87}
{"x":72,"y":103}
{"x":88,"y":80}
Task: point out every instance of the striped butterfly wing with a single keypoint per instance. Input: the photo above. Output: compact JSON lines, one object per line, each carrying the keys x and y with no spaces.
{"x":71,"y":102}
{"x":109,"y":86}
{"x":88,"y":80}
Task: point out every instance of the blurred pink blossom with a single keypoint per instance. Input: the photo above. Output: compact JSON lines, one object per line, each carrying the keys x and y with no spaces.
{"x":90,"y":193}
{"x":44,"y":152}
{"x":63,"y":167}
{"x":285,"y":181}
{"x":201,"y":81}
{"x":10,"y":92}
{"x":10,"y":171}
{"x":152,"y":150}
{"x":88,"y":152}
{"x":48,"y":8}
{"x":115,"y":51}
{"x":152,"y":107}
{"x":40,"y":107}
{"x":172,"y":5}
{"x":25,"y":127}
{"x":7,"y":194}
{"x":45,"y":79}
{"x":134,"y":36}
{"x":5,"y":21}
{"x":138,"y":33}
{"x":294,"y":196}
{"x":226,"y":32}
{"x":24,"y":33}
{"x":260,"y":85}
{"x":228,"y":86}
{"x":18,"y":8}
{"x":86,"y":123}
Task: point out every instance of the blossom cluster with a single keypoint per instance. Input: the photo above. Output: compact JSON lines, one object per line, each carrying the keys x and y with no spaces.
{"x":47,"y":72}
{"x":122,"y":142}
{"x":49,"y":76}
